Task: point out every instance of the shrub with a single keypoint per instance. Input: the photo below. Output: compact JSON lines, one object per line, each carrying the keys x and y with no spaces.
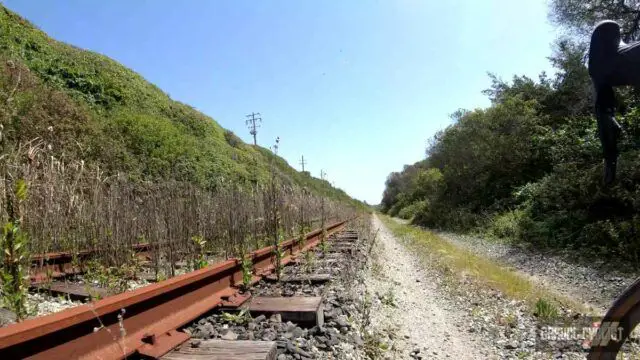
{"x":232,"y":139}
{"x":507,"y":225}
{"x":408,"y":212}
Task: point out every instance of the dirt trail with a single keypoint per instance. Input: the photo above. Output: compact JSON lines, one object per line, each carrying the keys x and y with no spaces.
{"x":410,"y":310}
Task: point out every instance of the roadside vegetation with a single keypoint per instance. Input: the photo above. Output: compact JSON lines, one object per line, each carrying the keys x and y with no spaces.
{"x":462,"y":268}
{"x":529,"y":167}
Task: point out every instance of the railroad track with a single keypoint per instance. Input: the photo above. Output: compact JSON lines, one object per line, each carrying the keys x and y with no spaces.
{"x":146,"y":322}
{"x":56,"y":265}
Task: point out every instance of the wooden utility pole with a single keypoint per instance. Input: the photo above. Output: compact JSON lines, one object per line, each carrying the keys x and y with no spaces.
{"x":302,"y":162}
{"x":252,"y":121}
{"x":323,"y":175}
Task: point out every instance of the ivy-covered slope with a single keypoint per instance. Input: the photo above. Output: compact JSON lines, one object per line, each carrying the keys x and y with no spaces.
{"x":93,"y":108}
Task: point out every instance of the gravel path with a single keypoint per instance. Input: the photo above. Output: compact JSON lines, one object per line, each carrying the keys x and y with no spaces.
{"x":593,"y":285}
{"x":417,"y":320}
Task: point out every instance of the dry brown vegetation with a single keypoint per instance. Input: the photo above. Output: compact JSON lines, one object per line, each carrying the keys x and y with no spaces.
{"x":73,"y":206}
{"x":52,"y":200}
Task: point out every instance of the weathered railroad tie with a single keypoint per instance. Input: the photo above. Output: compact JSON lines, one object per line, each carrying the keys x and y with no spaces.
{"x":55,"y":265}
{"x":73,"y":290}
{"x":224,"y":349}
{"x":297,"y":309}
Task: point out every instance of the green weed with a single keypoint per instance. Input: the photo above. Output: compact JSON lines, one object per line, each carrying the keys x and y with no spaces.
{"x":545,"y":310}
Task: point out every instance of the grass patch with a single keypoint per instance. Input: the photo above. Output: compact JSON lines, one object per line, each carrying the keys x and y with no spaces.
{"x":388,"y":298}
{"x":374,"y":347}
{"x":457,"y":264}
{"x":545,"y":310}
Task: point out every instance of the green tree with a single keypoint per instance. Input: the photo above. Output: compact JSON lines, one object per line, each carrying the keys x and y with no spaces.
{"x":580,"y":16}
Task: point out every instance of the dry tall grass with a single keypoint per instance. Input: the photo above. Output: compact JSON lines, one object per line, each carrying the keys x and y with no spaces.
{"x":72,"y":206}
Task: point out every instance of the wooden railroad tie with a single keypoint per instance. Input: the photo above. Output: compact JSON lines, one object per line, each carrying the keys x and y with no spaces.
{"x":297,"y":309}
{"x":223,"y":350}
{"x":75,"y":291}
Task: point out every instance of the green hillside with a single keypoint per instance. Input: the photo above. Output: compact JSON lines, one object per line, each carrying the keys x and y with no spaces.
{"x":93,"y":108}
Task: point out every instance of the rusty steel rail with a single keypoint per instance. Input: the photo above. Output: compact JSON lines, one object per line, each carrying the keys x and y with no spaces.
{"x":148,"y":326}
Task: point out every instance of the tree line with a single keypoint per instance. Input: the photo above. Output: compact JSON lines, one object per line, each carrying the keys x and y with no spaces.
{"x":529,"y":167}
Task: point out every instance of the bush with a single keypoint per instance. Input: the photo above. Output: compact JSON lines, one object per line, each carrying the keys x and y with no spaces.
{"x":408,"y":212}
{"x":232,"y":139}
{"x":507,"y":225}
{"x":395,"y":209}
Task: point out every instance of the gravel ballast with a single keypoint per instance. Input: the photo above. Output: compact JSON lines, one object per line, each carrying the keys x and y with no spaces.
{"x":341,"y":336}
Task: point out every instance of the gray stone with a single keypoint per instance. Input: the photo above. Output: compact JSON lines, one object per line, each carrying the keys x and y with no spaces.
{"x":260,"y":319}
{"x":511,"y":345}
{"x":333,"y":340}
{"x":298,"y":332}
{"x":322,"y":339}
{"x":316,"y":330}
{"x":269,"y":336}
{"x":296,"y":350}
{"x":342,"y":322}
{"x":356,"y":339}
{"x":229,"y":335}
{"x":329,"y":315}
{"x":207,"y":331}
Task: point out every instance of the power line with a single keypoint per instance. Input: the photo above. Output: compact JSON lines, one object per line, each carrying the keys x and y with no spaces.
{"x":252,"y":121}
{"x":302,"y":162}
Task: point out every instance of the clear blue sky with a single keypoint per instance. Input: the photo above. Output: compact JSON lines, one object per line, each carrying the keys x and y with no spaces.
{"x":356,"y":86}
